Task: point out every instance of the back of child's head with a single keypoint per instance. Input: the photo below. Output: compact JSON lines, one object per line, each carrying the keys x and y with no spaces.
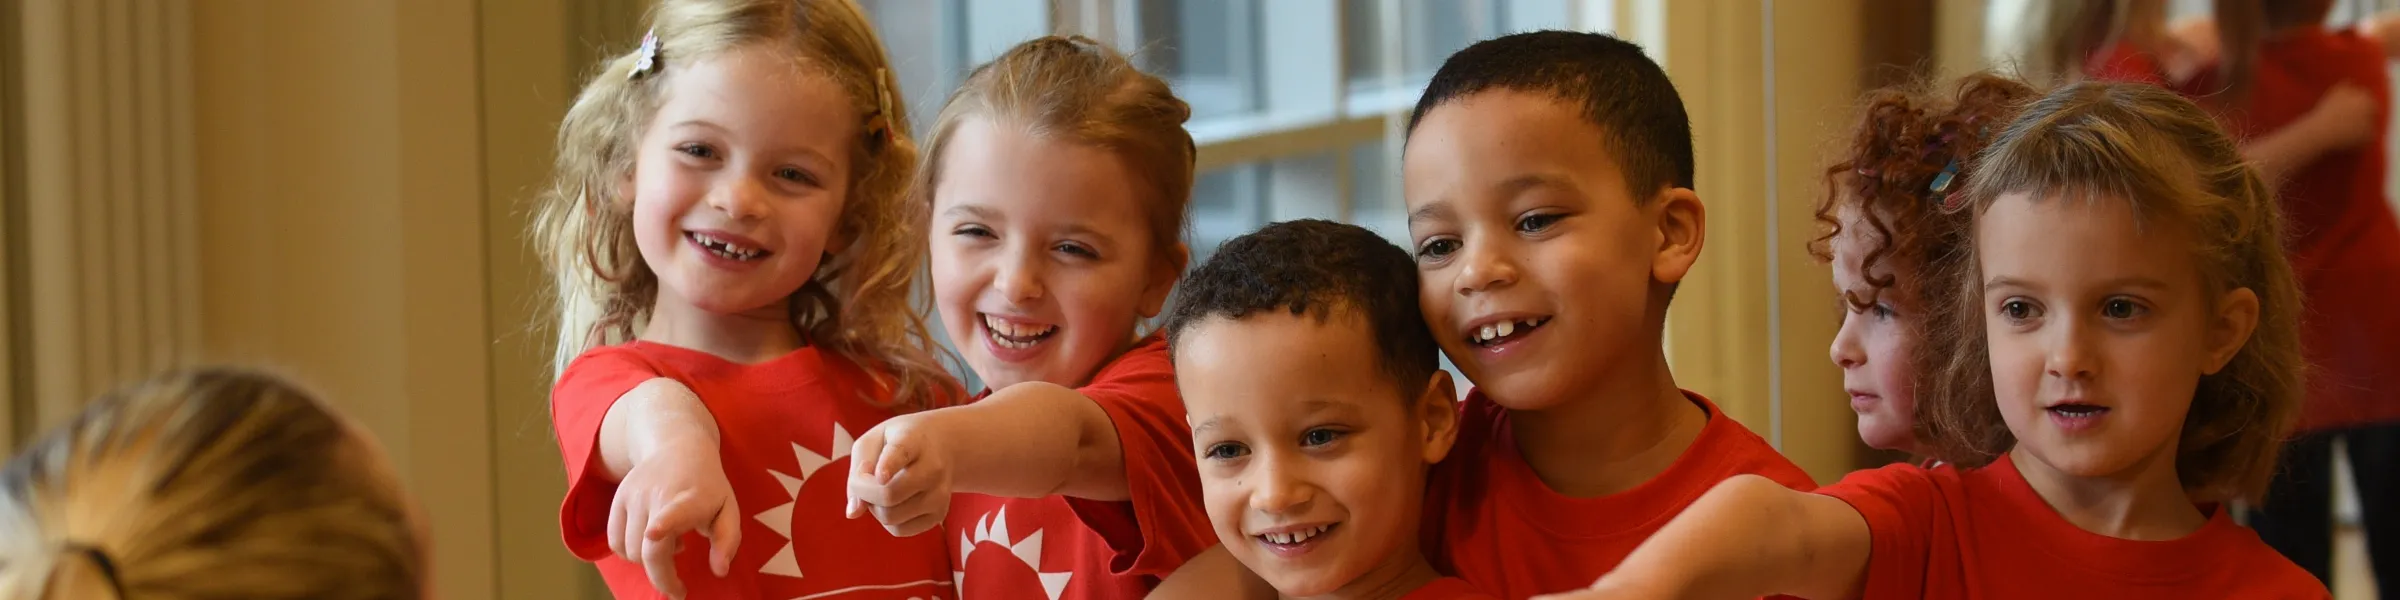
{"x":1616,"y":87}
{"x":2167,"y":157}
{"x":1319,"y":269}
{"x":856,"y":302}
{"x":213,"y":483}
{"x":1075,"y":90}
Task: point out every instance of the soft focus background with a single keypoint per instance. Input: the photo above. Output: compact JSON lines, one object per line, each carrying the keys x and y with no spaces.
{"x":340,"y":188}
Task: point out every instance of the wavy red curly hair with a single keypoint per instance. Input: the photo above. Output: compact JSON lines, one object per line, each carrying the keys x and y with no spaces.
{"x":1906,"y":136}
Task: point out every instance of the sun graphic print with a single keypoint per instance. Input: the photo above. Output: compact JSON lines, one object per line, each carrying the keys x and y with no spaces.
{"x":988,"y":552}
{"x":833,"y":555}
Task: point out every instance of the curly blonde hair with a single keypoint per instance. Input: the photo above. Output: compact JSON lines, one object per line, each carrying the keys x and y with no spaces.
{"x":211,"y":483}
{"x":2143,"y":145}
{"x":857,"y":304}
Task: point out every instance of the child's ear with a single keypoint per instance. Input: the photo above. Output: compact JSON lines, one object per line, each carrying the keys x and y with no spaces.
{"x":2236,"y":319}
{"x":1437,"y":409}
{"x":1682,"y":228}
{"x":1162,"y":280}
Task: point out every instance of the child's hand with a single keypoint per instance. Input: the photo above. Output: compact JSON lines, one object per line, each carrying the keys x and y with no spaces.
{"x":901,"y":472}
{"x":677,"y":485}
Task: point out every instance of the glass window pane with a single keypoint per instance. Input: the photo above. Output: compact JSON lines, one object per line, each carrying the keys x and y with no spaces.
{"x":1206,"y":48}
{"x":927,"y":43}
{"x":1375,"y":200}
{"x":1429,"y":32}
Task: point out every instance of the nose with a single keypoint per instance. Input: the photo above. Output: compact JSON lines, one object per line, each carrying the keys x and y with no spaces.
{"x":1846,"y":351}
{"x":1019,"y":279}
{"x":1279,"y":488}
{"x":1486,"y":269}
{"x":2070,"y":351}
{"x":741,"y":198}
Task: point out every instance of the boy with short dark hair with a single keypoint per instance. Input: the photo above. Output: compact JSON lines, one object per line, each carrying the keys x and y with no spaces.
{"x":1316,"y":405}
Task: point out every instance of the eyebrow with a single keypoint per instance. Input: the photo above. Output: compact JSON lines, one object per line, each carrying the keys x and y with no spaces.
{"x":1440,"y":209}
{"x":972,"y":211}
{"x":2146,"y":283}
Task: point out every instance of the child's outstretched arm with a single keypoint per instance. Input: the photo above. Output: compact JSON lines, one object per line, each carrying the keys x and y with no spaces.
{"x":1027,"y":440}
{"x":661,"y":445}
{"x":1748,"y":537}
{"x":1213,"y":575}
{"x":2345,"y":118}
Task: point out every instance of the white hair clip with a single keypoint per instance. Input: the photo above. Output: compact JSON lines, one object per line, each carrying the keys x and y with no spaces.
{"x":645,"y":60}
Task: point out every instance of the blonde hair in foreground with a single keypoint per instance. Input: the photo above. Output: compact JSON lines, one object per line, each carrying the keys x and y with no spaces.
{"x":2134,"y":143}
{"x":857,"y":304}
{"x":214,"y":483}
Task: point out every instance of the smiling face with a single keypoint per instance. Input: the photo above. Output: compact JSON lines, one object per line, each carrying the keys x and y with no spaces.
{"x":1043,"y":263}
{"x":1876,"y":346}
{"x":739,"y":183}
{"x":2100,"y":329}
{"x":1312,"y":459}
{"x":1536,"y":263}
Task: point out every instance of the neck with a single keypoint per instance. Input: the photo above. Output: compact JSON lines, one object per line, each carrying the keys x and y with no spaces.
{"x":1629,"y":430}
{"x":1388,"y":581}
{"x":747,"y":337}
{"x":2144,"y":502}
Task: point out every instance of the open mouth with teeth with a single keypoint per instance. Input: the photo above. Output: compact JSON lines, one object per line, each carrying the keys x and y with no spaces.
{"x":1502,"y":332}
{"x":1014,"y":336}
{"x":724,"y":249}
{"x":2077,"y":411}
{"x":1294,"y":539}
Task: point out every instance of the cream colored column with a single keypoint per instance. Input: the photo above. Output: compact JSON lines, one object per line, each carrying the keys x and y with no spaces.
{"x":110,"y":288}
{"x":536,"y":54}
{"x":342,"y":235}
{"x":1750,"y":325}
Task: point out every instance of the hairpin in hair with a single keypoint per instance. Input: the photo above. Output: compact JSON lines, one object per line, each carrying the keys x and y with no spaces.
{"x":1941,"y":181}
{"x":100,"y":560}
{"x":879,"y":125}
{"x":645,"y":60}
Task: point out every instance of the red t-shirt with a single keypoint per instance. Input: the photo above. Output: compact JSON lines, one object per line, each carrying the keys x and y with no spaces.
{"x":1491,"y":521}
{"x":786,"y":427}
{"x":2345,"y":244}
{"x":1984,"y":533}
{"x":1448,"y":588}
{"x":1060,"y":547}
{"x":2120,"y":62}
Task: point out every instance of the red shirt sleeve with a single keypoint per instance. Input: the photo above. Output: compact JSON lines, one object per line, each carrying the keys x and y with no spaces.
{"x":1164,"y":523}
{"x":578,"y":403}
{"x":1904,"y":512}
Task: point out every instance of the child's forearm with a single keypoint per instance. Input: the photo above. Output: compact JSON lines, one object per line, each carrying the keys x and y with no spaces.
{"x":1031,"y":440}
{"x":1751,"y":537}
{"x":1214,"y":575}
{"x":2344,"y":118}
{"x":653,"y":415}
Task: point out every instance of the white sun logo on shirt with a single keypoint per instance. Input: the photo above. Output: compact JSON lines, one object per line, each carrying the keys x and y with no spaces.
{"x":780,"y":517}
{"x":993,"y":528}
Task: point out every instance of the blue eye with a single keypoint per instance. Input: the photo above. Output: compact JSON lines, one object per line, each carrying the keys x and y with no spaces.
{"x":697,"y":151}
{"x":1224,"y":451}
